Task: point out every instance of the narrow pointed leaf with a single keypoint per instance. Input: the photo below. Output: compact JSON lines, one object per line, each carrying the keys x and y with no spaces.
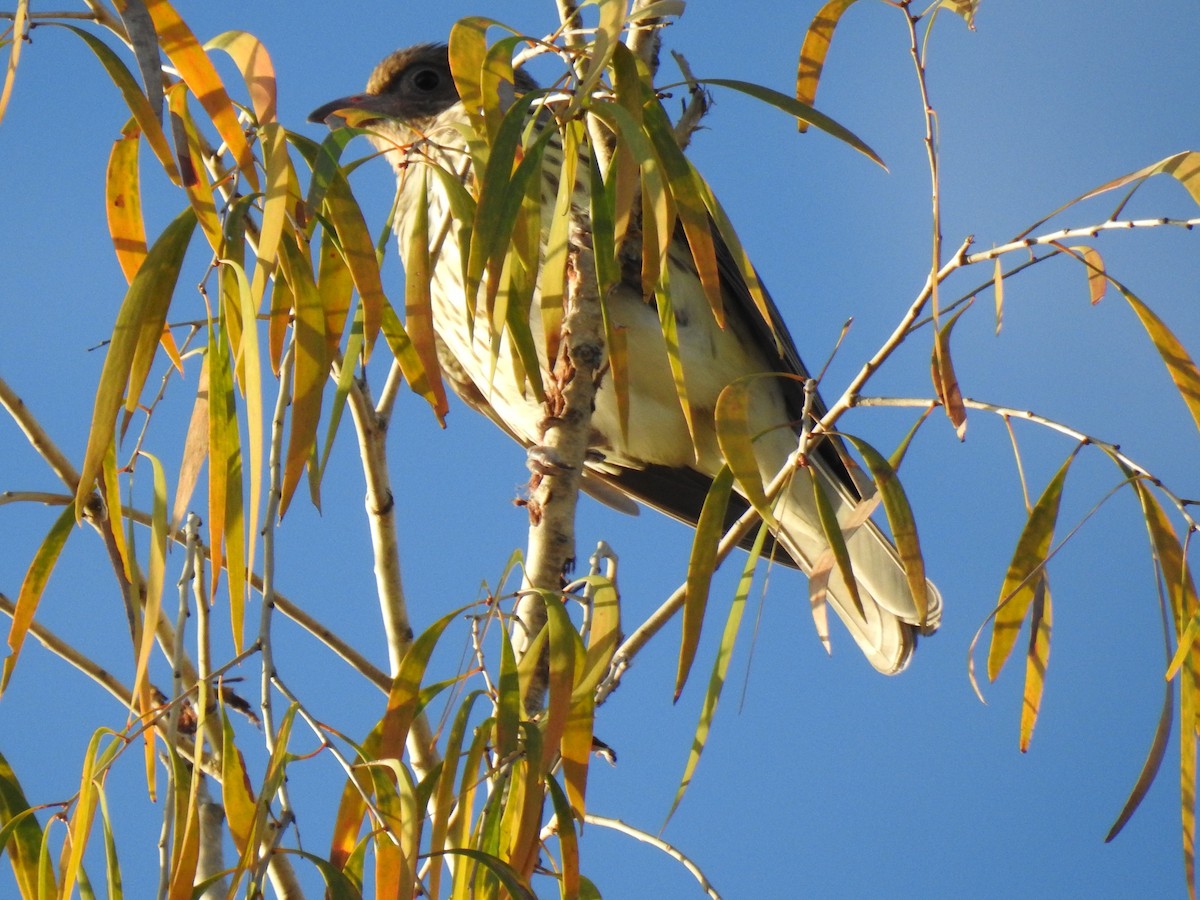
{"x":832,"y":530}
{"x":197,"y":71}
{"x":814,"y":50}
{"x":22,"y":836}
{"x":143,"y":112}
{"x":32,"y":588}
{"x":801,"y":111}
{"x":732,"y":417}
{"x":139,"y":324}
{"x":720,"y":670}
{"x":900,"y":520}
{"x":701,"y":566}
{"x":1025,"y":570}
{"x":1041,"y":622}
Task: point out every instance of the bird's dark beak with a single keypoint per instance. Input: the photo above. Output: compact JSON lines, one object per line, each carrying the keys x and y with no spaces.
{"x":361,"y":108}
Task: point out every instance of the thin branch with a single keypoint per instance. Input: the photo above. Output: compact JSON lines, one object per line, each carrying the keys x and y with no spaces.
{"x":288,"y":608}
{"x":381,"y":516}
{"x":1087,"y":231}
{"x":659,"y":844}
{"x":1008,"y":412}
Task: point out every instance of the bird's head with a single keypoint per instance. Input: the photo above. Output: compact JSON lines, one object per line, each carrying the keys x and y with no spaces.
{"x":404,"y":97}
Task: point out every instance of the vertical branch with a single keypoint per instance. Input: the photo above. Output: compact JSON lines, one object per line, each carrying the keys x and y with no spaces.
{"x":566,"y":431}
{"x":645,"y":35}
{"x":381,"y":514}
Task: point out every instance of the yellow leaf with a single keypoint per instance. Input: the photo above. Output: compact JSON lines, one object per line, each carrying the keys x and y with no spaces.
{"x":254,"y":63}
{"x":814,"y":50}
{"x":197,"y":71}
{"x":900,"y":520}
{"x":1096,"y":276}
{"x":1025,"y":571}
{"x":1174,"y":355}
{"x":732,"y":418}
{"x":32,"y":588}
{"x":1041,"y":621}
{"x":123,"y":196}
{"x":139,"y":324}
{"x":143,"y":112}
{"x":236,"y":793}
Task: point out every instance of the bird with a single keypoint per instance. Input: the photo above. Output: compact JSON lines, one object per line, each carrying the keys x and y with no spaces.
{"x":413,"y":114}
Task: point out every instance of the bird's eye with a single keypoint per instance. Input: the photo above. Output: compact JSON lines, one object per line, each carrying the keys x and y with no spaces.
{"x":426,"y":80}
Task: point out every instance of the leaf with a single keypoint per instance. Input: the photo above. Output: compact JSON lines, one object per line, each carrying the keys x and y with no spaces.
{"x":814,"y":50}
{"x":732,"y":418}
{"x":1175,"y":357}
{"x":139,"y":325}
{"x":1041,"y":621}
{"x":900,"y":520}
{"x":1096,"y":275}
{"x":1184,"y":167}
{"x":32,"y":588}
{"x":800,"y":110}
{"x":832,"y":530}
{"x":140,"y":29}
{"x":566,"y":649}
{"x":964,"y":8}
{"x":1154,"y":758}
{"x":253,"y":61}
{"x":1025,"y":570}
{"x":701,"y":566}
{"x":998,"y":289}
{"x":123,"y":202}
{"x":720,"y":669}
{"x":404,"y":696}
{"x":20,"y":836}
{"x":568,"y":840}
{"x":143,"y":112}
{"x":687,"y":192}
{"x":197,"y":71}
{"x":945,"y":381}
{"x":141,"y":690}
{"x":311,"y":365}
{"x":418,"y":302}
{"x":237,"y":797}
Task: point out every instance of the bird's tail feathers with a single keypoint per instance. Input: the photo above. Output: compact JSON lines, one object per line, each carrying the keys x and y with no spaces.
{"x":887,"y":624}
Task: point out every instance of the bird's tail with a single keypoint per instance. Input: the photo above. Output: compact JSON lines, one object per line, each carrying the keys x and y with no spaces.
{"x":887,"y":623}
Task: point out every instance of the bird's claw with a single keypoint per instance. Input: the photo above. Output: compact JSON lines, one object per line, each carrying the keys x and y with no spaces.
{"x":545,"y":461}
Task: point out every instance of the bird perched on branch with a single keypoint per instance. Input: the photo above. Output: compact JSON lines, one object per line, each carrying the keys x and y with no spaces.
{"x":415,"y":117}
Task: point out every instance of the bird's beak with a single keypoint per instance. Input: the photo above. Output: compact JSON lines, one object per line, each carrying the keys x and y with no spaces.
{"x":353,"y":110}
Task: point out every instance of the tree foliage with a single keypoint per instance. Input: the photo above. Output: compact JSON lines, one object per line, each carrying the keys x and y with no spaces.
{"x":290,"y":312}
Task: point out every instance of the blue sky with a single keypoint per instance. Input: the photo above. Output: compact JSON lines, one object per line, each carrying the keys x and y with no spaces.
{"x":829,"y":780}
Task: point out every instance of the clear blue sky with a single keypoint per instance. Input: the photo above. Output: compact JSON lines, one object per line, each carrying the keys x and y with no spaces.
{"x":830,"y":781}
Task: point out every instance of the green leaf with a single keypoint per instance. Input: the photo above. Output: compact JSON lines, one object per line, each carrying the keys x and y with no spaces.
{"x":801,"y":111}
{"x":701,"y":566}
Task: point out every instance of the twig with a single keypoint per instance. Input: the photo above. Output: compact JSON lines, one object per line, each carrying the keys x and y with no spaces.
{"x":1087,"y":231}
{"x":1008,"y":412}
{"x":658,"y":843}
